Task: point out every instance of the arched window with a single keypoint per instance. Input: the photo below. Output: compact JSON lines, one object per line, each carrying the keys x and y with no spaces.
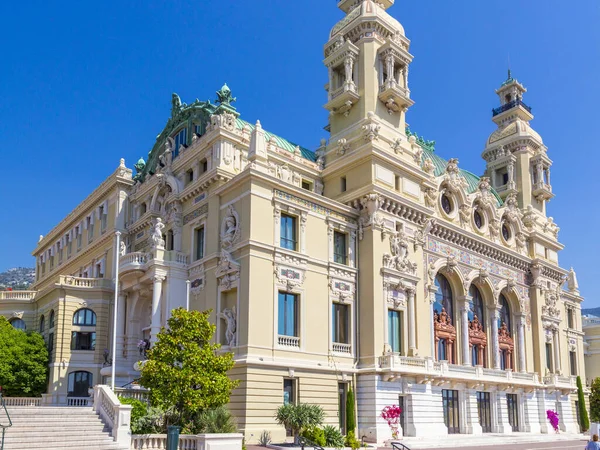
{"x":84,"y":317}
{"x":504,"y":314}
{"x":42,"y":324}
{"x":79,"y":383}
{"x":51,"y":324}
{"x":476,"y":306}
{"x":443,"y":297}
{"x":19,"y":324}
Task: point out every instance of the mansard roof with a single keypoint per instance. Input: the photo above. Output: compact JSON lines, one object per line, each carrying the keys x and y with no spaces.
{"x":441,"y":164}
{"x":195,"y":117}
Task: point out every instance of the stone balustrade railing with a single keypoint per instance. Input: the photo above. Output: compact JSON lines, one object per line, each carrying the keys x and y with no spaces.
{"x":79,"y":401}
{"x":27,"y":296}
{"x":188,"y":442}
{"x":136,"y":258}
{"x":342,"y":348}
{"x":22,"y":401}
{"x":140,"y":394}
{"x":115,"y":416}
{"x":289,"y":341}
{"x":87,"y":283}
{"x":394,"y":365}
{"x":178,"y":257}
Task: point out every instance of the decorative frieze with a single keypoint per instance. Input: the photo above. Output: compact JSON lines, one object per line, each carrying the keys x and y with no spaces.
{"x":195,"y":214}
{"x":289,"y":278}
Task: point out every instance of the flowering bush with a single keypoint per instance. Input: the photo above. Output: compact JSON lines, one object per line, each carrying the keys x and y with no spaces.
{"x":553,"y":418}
{"x":143,"y":346}
{"x":391,"y":414}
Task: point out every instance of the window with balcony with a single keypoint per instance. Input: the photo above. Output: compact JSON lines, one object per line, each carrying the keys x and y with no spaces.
{"x":340,"y":326}
{"x":340,"y":247}
{"x":394,"y":331}
{"x":288,"y":314}
{"x":199,"y":243}
{"x":288,"y":237}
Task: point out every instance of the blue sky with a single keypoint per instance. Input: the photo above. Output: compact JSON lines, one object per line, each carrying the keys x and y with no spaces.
{"x":84,"y":84}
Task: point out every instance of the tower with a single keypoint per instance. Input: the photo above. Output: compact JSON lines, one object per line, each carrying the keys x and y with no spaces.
{"x":367,"y":57}
{"x":515,"y":154}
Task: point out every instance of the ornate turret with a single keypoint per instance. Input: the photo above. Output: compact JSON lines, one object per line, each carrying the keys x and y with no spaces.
{"x":367,"y":56}
{"x":515,"y":153}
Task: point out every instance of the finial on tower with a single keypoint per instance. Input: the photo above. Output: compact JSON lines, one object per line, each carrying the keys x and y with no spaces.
{"x":349,"y":5}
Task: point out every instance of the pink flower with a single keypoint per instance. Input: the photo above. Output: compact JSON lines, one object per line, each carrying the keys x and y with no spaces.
{"x":391,"y":414}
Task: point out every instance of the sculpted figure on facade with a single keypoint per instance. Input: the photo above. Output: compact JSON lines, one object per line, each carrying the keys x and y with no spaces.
{"x":230,"y":228}
{"x":428,"y":166}
{"x":370,"y":203}
{"x":227,"y":271}
{"x":550,"y":300}
{"x":398,"y":259}
{"x":396,"y":145}
{"x":572,"y":283}
{"x":430,"y":197}
{"x":229,"y":316}
{"x":157,"y":233}
{"x":122,"y":248}
{"x":342,"y":147}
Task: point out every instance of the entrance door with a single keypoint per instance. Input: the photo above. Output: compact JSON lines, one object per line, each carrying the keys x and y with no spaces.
{"x":485,"y":411}
{"x":513,"y":411}
{"x":450,"y":402}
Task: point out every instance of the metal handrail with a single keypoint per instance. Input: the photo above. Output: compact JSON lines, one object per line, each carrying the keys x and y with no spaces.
{"x":399,"y":446}
{"x":304,"y":442}
{"x":4,"y":427}
{"x":131,"y":382}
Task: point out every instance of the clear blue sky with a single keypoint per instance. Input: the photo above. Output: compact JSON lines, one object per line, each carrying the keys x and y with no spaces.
{"x":86,"y":83}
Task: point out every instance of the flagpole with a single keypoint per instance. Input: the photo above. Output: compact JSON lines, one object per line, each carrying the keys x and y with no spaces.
{"x":114,"y":340}
{"x":187,"y":295}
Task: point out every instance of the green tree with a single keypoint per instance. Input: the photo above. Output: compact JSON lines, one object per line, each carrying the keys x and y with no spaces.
{"x":299,"y":417}
{"x":350,"y":416}
{"x":595,"y":401}
{"x":184,"y":372}
{"x":583,"y":415}
{"x":23,"y":362}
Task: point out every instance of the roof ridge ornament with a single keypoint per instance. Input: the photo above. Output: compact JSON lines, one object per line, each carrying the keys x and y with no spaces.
{"x":224,"y":96}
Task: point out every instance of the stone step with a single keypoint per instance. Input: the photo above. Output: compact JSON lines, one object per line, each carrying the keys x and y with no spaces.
{"x":45,"y":410}
{"x":22,"y":433}
{"x":54,"y":421}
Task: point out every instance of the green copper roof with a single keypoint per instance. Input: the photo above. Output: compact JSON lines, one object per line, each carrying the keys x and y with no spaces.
{"x":281,"y":142}
{"x":440,"y":167}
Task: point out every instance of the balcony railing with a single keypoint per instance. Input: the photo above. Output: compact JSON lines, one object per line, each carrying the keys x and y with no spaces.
{"x":342,"y":348}
{"x":17,"y":295}
{"x":87,"y":283}
{"x":289,"y":341}
{"x":79,"y":401}
{"x":178,"y":257}
{"x":508,"y":106}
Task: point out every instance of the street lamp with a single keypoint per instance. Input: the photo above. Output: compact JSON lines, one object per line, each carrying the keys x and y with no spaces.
{"x":114,"y":340}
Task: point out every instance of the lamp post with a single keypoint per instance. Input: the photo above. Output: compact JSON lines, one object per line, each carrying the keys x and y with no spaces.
{"x":114,"y":340}
{"x":187,"y":295}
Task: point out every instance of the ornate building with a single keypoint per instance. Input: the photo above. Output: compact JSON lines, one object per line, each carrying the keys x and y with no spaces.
{"x":370,"y":262}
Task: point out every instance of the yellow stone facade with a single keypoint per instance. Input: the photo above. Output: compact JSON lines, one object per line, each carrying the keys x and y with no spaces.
{"x":330,"y":269}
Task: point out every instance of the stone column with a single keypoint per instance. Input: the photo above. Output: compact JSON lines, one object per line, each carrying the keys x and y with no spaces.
{"x":156,"y":294}
{"x":521,"y":344}
{"x":495,"y":316}
{"x":464,"y":328}
{"x":412,"y":334}
{"x":557,"y":366}
{"x":432,"y":291}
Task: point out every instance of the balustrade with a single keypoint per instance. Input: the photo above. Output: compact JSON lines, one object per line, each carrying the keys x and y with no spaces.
{"x":342,"y":348}
{"x":17,"y":295}
{"x":81,"y":282}
{"x":78,"y":401}
{"x":22,"y":401}
{"x":289,"y":341}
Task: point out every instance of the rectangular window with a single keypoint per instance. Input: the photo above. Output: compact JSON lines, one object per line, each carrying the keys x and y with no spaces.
{"x":69,"y":246}
{"x":78,"y":234}
{"x":288,"y":314}
{"x":199,"y":243}
{"x":180,"y":141}
{"x":51,"y":262}
{"x":570,"y":321}
{"x":513,"y":411}
{"x":484,"y":411}
{"x":288,"y":232}
{"x":340,"y":323}
{"x":289,"y":391}
{"x":573,"y":362}
{"x":189,"y":176}
{"x":204,"y":165}
{"x":340,"y":249}
{"x":83,"y":340}
{"x":306,"y":185}
{"x":343,"y":184}
{"x":90,"y":229}
{"x":505,"y":178}
{"x":103,"y":216}
{"x":549,"y":356}
{"x":99,"y":273}
{"x":398,"y":183}
{"x":394,"y":331}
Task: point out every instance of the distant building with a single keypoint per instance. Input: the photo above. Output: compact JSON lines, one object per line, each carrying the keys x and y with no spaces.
{"x":371,"y":262}
{"x":591,"y":343}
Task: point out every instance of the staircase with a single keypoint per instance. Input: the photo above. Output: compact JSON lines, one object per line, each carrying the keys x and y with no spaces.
{"x":41,"y":427}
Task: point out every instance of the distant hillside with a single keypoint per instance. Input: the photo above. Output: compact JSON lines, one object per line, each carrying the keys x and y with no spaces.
{"x":17,"y":278}
{"x":590,"y":311}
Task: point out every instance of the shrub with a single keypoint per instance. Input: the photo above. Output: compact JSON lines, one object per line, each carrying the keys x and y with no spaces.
{"x":595,"y":401}
{"x":351,"y":441}
{"x":139,"y":409}
{"x":350,"y":417}
{"x":265,"y":438}
{"x":299,"y":417}
{"x":153,"y":422}
{"x":333,"y":437}
{"x":316,"y":435}
{"x":214,"y":420}
{"x":583,"y":415}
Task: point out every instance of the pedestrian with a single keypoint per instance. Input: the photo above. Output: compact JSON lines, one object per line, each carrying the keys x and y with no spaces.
{"x":593,"y":444}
